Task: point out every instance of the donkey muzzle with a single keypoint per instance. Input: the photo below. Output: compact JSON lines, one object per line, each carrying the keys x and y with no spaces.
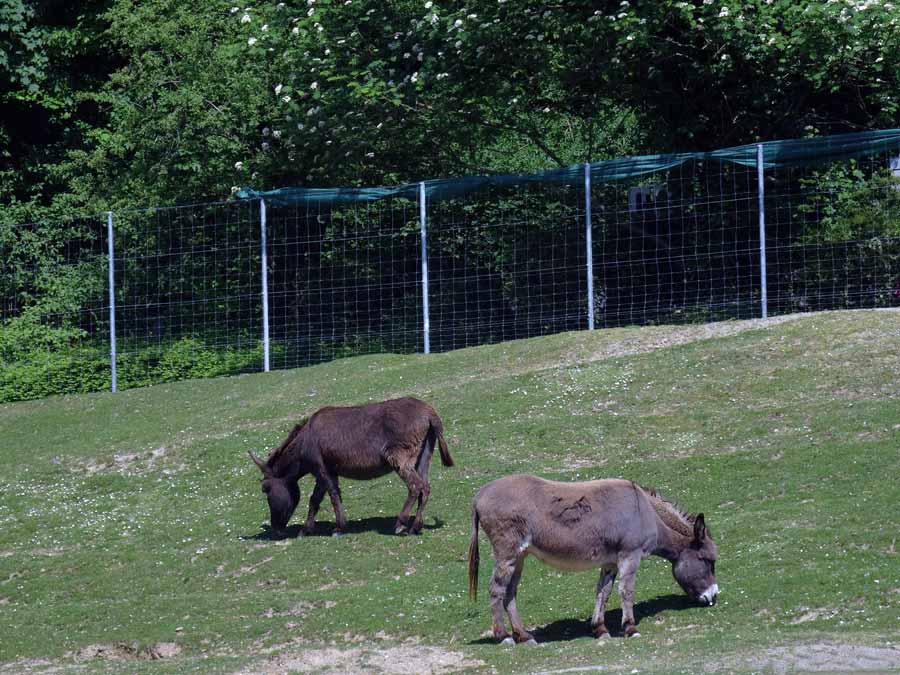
{"x":709,"y":595}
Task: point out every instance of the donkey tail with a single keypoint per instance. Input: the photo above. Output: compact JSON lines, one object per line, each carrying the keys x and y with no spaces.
{"x":438,"y":428}
{"x":473,"y":556}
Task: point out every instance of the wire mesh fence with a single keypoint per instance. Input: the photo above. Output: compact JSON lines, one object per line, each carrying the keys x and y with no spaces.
{"x":242,"y":286}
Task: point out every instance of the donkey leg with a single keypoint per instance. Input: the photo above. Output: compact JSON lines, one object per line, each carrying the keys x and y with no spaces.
{"x":422,"y":467}
{"x":315,"y":499}
{"x":627,"y":572}
{"x":504,"y":570}
{"x":415,"y":485}
{"x":334,"y":491}
{"x":604,"y":588}
{"x":518,"y":627}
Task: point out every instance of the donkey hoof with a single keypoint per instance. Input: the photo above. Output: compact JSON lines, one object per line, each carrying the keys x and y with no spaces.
{"x":633,"y":634}
{"x":401,"y":530}
{"x":531,"y":642}
{"x":508,"y":641}
{"x":604,"y":636}
{"x":337,"y":533}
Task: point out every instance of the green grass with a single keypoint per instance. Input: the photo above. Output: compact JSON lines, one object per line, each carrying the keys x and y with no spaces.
{"x":787,"y":437}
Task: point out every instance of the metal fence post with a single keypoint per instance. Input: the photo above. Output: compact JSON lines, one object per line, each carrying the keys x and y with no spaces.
{"x":265,"y":285}
{"x":425,"y":325}
{"x":112,"y":300}
{"x":761,"y":189}
{"x":589,"y":245}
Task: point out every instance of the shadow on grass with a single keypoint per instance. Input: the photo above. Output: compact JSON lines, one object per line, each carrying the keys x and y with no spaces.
{"x":572,"y":629}
{"x":378,"y":524}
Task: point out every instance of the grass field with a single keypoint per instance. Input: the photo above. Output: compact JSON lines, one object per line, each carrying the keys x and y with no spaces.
{"x":131,"y":524}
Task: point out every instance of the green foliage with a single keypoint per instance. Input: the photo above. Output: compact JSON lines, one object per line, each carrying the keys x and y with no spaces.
{"x":845,"y":202}
{"x":38,"y":360}
{"x":184,"y":359}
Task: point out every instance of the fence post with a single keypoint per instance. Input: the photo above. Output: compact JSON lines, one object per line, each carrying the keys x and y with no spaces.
{"x":589,"y":245}
{"x":761,"y":189}
{"x":265,"y":285}
{"x":425,"y":325}
{"x":112,"y":300}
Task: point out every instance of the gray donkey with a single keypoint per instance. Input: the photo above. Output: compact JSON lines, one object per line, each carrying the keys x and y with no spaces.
{"x":359,"y":442}
{"x":609,"y":525}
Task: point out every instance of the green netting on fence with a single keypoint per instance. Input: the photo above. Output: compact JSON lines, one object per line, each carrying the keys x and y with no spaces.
{"x":776,"y":154}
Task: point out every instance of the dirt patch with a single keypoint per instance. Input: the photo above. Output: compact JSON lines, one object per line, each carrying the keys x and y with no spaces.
{"x":123,"y":651}
{"x":299,"y":609}
{"x":401,"y":660}
{"x":359,"y":655}
{"x":813,"y":615}
{"x":126,"y":463}
{"x":28,"y":666}
{"x":828,"y":657}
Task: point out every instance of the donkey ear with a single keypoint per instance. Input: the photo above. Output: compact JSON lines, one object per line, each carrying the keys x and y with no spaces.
{"x":261,"y":464}
{"x":699,"y":528}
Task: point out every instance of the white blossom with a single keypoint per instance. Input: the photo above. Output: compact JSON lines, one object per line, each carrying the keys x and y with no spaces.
{"x":265,"y":27}
{"x":251,"y":41}
{"x":278,"y":88}
{"x":314,"y":86}
{"x":296,"y":30}
{"x":286,"y":98}
{"x":235,"y":10}
{"x":238,"y":165}
{"x":246,"y":18}
{"x":429,"y":4}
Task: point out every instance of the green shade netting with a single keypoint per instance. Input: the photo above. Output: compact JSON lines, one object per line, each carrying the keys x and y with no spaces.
{"x":794,"y":153}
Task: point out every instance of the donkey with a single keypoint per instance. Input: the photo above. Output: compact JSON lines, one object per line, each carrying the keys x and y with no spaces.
{"x":608,"y":524}
{"x":359,"y":442}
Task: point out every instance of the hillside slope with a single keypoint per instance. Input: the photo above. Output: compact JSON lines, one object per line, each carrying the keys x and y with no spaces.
{"x":131,"y":523}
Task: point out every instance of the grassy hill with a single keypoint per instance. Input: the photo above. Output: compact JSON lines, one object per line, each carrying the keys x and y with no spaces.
{"x":130,"y":524}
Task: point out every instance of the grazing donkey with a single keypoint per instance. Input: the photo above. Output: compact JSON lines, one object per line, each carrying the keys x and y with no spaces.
{"x":359,"y":442}
{"x":607,"y":524}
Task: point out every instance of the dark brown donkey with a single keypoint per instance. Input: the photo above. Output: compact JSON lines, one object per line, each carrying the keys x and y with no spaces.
{"x":609,"y":525}
{"x":359,"y":442}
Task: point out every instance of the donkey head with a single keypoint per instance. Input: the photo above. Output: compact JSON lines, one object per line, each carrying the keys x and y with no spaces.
{"x":695,"y":567}
{"x":282,"y":494}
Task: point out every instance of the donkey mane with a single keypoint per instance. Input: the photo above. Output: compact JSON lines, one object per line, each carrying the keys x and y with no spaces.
{"x":671,"y":514}
{"x":282,"y":449}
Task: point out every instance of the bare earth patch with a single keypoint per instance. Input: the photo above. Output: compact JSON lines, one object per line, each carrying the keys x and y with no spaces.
{"x":127,"y":463}
{"x":823,"y":657}
{"x":123,"y":651}
{"x":408,"y":658}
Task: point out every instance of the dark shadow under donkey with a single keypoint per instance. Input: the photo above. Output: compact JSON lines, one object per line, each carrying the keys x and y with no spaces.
{"x":359,"y":442}
{"x":609,"y":525}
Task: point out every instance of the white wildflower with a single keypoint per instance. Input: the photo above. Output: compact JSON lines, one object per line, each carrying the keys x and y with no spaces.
{"x":235,"y":10}
{"x":246,"y":18}
{"x":286,"y":98}
{"x":238,"y":165}
{"x":251,"y":41}
{"x":278,"y":88}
